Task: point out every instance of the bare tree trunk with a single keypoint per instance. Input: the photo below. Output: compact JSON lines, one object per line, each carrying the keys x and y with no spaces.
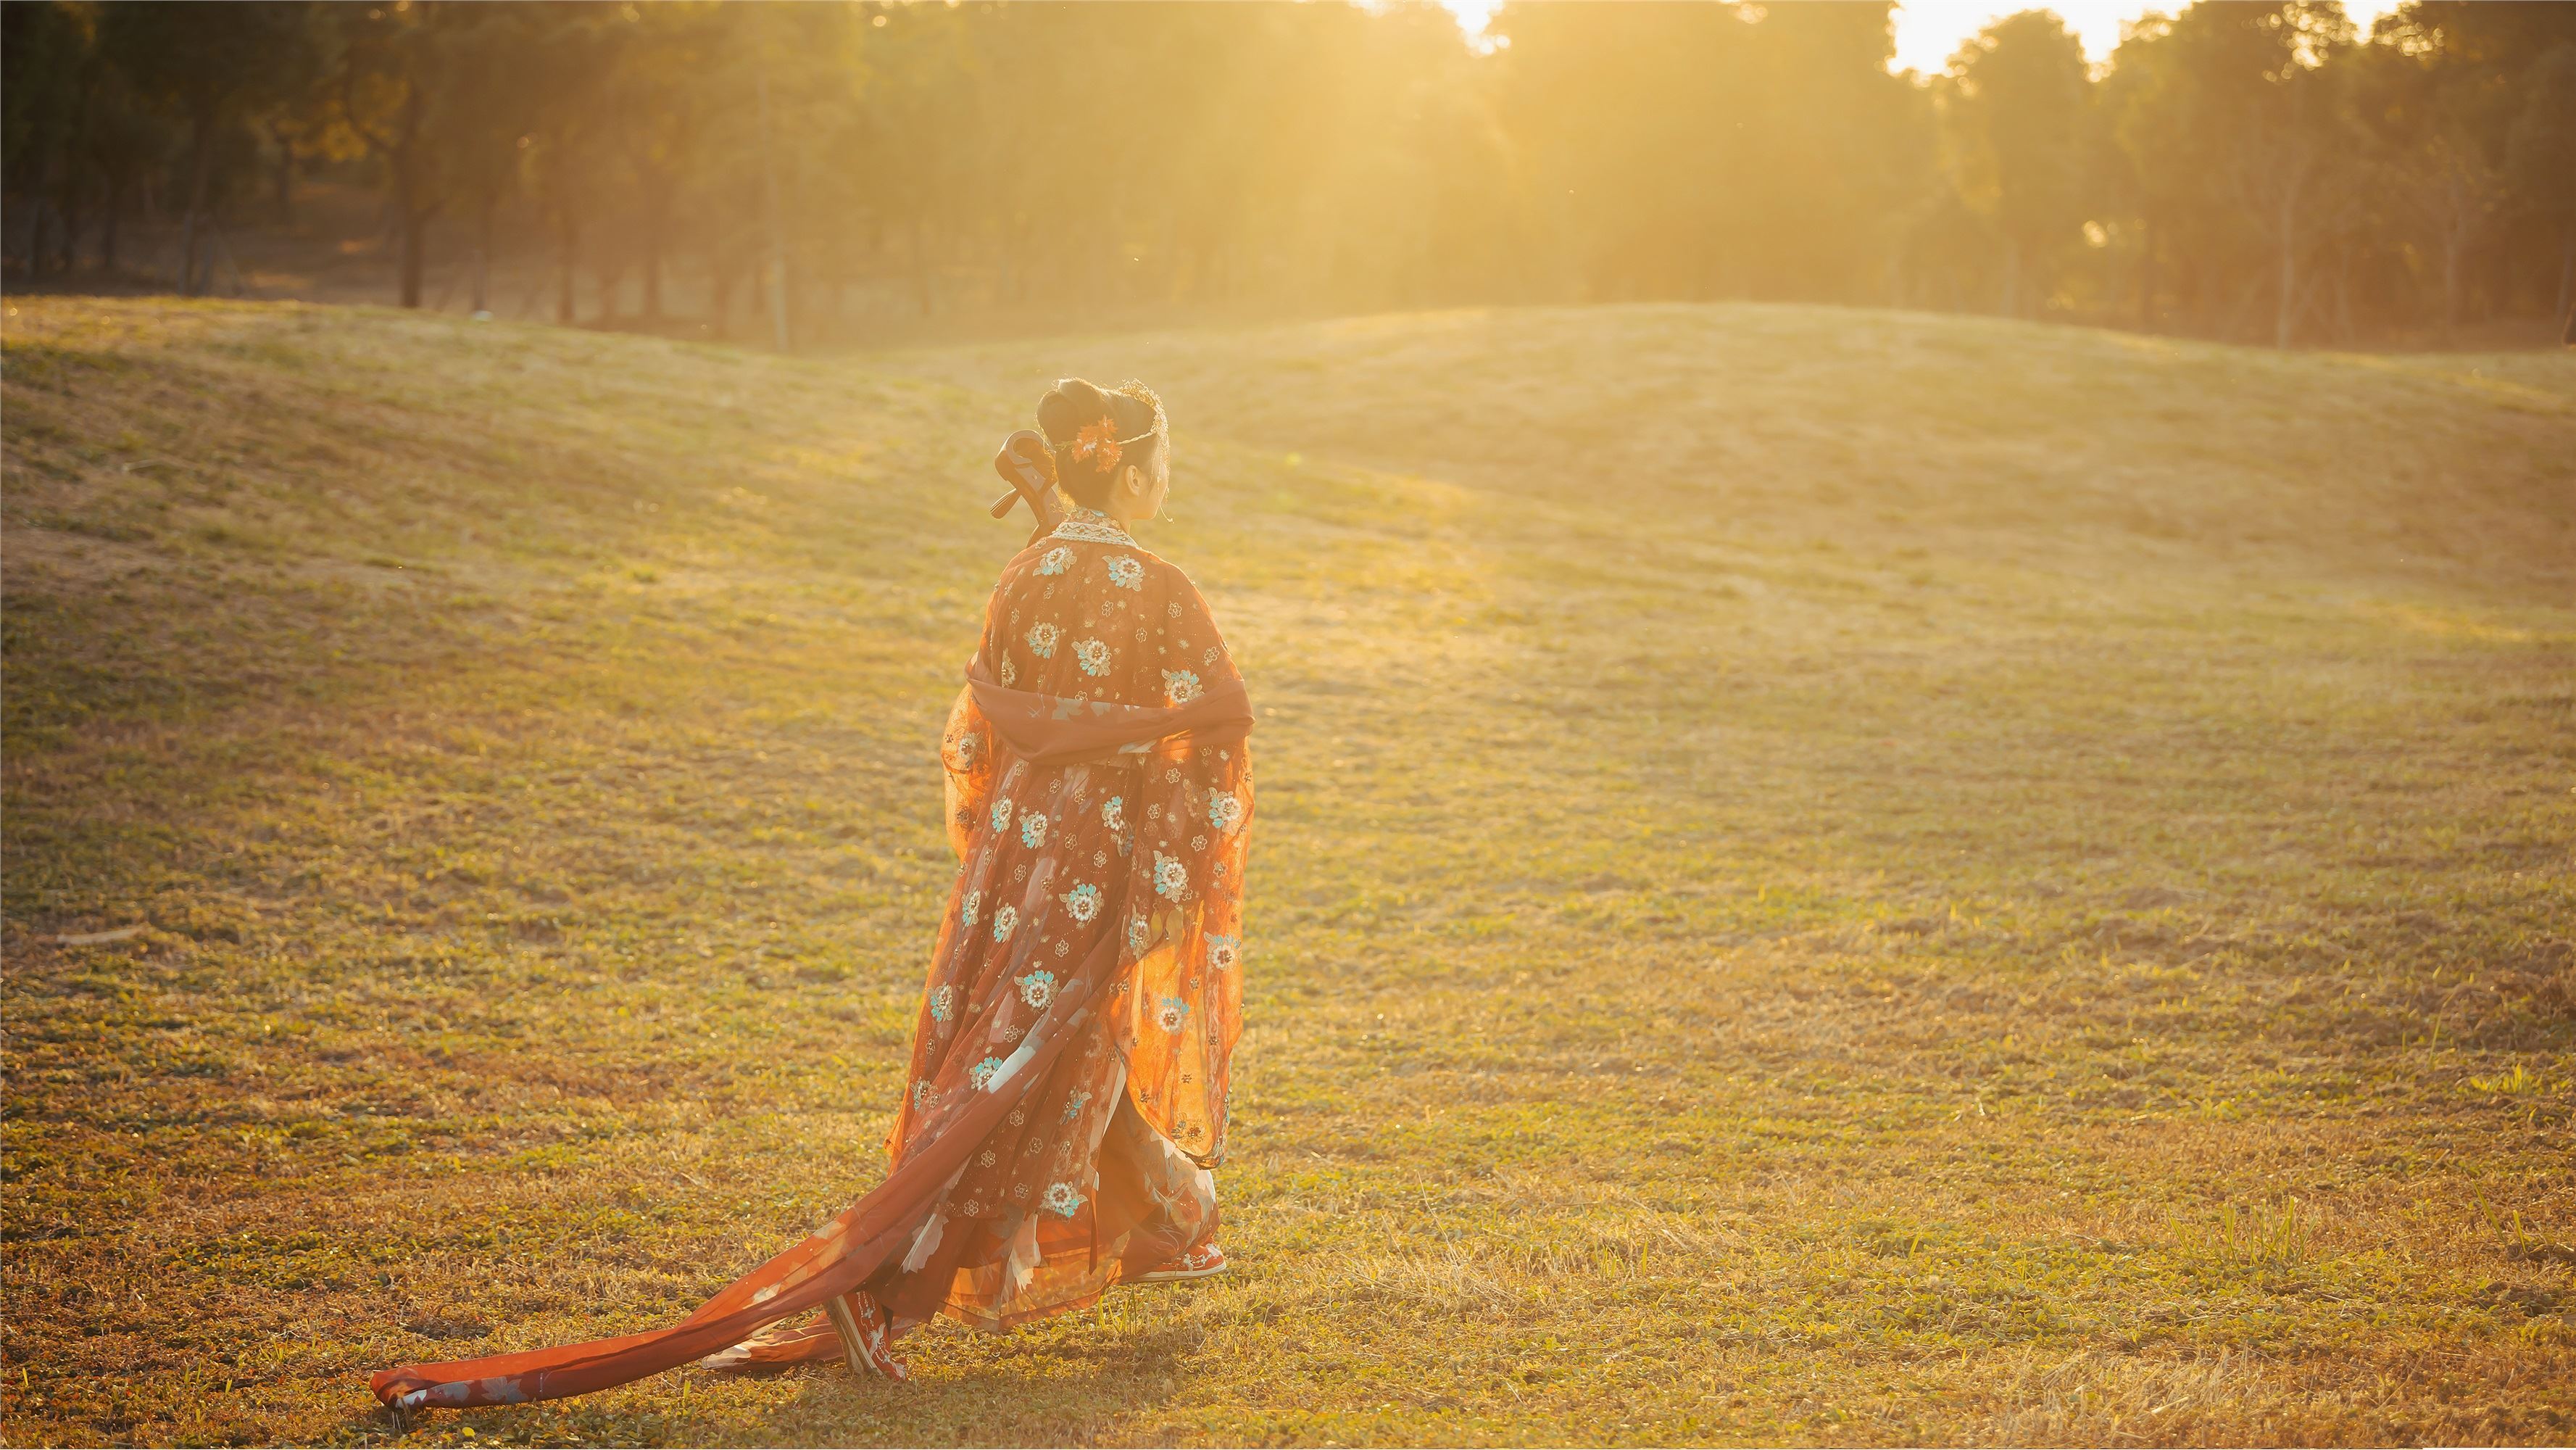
{"x":483,"y":253}
{"x":415,"y":248}
{"x":2147,"y":273}
{"x":2566,"y":267}
{"x":920,"y":266}
{"x":653,"y":265}
{"x":2285,"y":307}
{"x":2451,"y":248}
{"x":201,"y":153}
{"x":107,"y":226}
{"x":567,"y":311}
{"x":282,"y":205}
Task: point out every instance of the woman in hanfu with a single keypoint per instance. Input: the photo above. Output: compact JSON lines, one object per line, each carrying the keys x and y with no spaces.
{"x":1066,"y":1099}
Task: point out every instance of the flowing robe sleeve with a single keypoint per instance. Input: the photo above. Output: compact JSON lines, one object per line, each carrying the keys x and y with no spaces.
{"x":1191,"y":822}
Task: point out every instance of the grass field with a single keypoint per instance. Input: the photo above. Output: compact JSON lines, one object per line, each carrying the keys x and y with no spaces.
{"x":1824,"y":876}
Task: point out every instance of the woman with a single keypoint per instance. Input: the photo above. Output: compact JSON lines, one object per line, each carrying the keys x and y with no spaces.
{"x":1066,"y":1100}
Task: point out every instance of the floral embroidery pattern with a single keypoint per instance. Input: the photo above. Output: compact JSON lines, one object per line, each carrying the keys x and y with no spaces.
{"x":1010,"y":671}
{"x":1042,"y":637}
{"x":1174,"y":1014}
{"x":1002,"y":814}
{"x":1113,"y":813}
{"x":1003,"y":920}
{"x":1225,"y":810}
{"x":1224,"y":952}
{"x":1033,"y":829}
{"x":942,"y":1003}
{"x":1136,"y":935}
{"x":1181,"y":686}
{"x":982,"y":1073}
{"x":921,"y":1093}
{"x":1092,"y":655}
{"x":1171,"y":878}
{"x":1073,"y":1105}
{"x":1062,"y":1199}
{"x":1083,"y":903}
{"x":1038,"y":989}
{"x":1126,"y":573}
{"x":1057,"y":560}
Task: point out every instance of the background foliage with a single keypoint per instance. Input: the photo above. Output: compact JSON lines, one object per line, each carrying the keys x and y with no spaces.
{"x":2243,"y":171}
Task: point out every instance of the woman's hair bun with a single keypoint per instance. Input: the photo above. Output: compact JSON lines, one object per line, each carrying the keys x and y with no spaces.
{"x":1071,"y":406}
{"x":1134,"y":416}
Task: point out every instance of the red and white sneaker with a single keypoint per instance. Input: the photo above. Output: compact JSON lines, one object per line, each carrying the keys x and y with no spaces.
{"x":867,"y":1335}
{"x":1204,"y":1262}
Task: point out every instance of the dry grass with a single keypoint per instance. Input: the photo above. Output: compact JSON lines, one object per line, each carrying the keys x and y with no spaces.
{"x":1825,"y":876}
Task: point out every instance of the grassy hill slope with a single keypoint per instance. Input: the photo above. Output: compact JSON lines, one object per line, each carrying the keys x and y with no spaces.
{"x":1823,"y":876}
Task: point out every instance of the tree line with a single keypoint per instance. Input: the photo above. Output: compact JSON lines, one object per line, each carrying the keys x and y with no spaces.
{"x":2250,"y":171}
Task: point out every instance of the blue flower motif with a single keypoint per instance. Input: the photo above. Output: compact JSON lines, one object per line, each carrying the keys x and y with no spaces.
{"x":1038,"y":989}
{"x":1042,"y":637}
{"x":1173,"y":1015}
{"x":1126,"y":573}
{"x":1092,"y":655}
{"x":982,"y":1073}
{"x":1033,"y":829}
{"x":1225,"y":810}
{"x":1083,"y":902}
{"x":1058,"y":559}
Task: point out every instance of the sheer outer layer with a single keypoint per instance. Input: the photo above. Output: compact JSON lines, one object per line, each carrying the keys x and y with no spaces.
{"x":1068,"y":1078}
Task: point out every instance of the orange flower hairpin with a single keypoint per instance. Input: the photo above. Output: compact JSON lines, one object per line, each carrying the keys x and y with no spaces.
{"x":1097,"y":444}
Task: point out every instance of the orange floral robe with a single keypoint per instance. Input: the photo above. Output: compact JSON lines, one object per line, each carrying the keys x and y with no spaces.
{"x":1134,"y":849}
{"x":1067,"y":1093}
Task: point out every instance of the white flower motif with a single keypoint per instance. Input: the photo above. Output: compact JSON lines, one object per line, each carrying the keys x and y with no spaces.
{"x":1173,"y":1015}
{"x":1002,"y":814}
{"x":1225,"y":810}
{"x":1033,"y":829}
{"x":1092,"y":655}
{"x":1083,"y":902}
{"x":921,"y":1094}
{"x":1058,"y":559}
{"x":1042,"y":638}
{"x":943,"y":1002}
{"x":967,"y":745}
{"x":1062,"y":1199}
{"x":1113,"y":813}
{"x":1073,"y":1105}
{"x":1224,"y":952}
{"x":971,"y":909}
{"x":1136,"y":934}
{"x":1038,"y":989}
{"x":1181,"y":685}
{"x":1003,"y":921}
{"x":1171,"y":878}
{"x":1010,"y":671}
{"x":1126,"y":573}
{"x":982,"y":1073}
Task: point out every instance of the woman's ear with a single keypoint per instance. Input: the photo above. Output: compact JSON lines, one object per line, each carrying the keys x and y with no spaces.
{"x":1134,"y":479}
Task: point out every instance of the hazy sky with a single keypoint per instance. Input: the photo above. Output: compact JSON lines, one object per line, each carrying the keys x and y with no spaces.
{"x":1928,"y":30}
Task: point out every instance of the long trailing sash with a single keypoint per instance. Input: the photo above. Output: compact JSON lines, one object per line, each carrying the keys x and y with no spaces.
{"x":886,"y":1221}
